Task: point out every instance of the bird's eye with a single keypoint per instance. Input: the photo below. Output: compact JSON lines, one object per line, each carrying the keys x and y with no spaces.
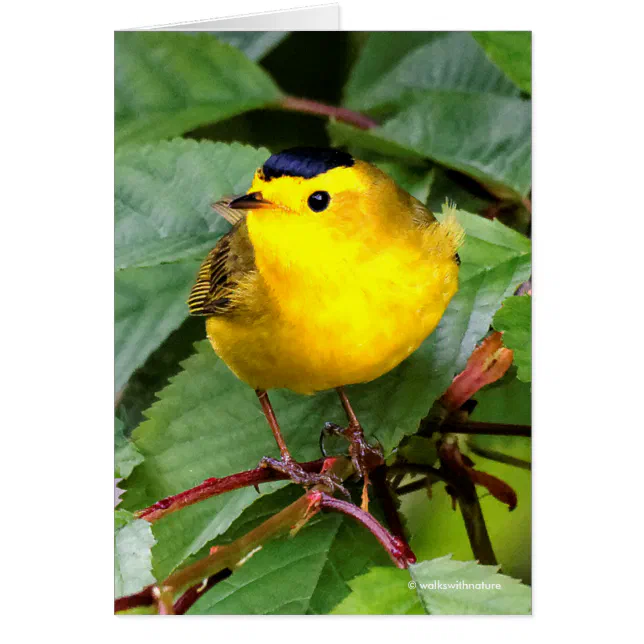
{"x":319,"y":201}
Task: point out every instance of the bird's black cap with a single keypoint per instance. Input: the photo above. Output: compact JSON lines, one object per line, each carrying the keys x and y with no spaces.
{"x":305,"y":162}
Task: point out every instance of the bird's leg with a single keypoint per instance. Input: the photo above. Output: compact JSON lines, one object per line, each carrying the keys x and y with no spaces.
{"x":287,"y":465}
{"x":363,"y":456}
{"x":267,"y":408}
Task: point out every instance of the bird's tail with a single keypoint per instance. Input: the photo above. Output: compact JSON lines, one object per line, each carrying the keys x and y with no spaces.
{"x":446,"y":237}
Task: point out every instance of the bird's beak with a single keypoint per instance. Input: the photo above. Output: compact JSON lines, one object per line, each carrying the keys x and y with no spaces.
{"x":251,"y":201}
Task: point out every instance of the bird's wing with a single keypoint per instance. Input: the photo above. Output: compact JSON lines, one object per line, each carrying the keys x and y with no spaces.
{"x":231,"y":215}
{"x":421,"y":215}
{"x":231,"y":259}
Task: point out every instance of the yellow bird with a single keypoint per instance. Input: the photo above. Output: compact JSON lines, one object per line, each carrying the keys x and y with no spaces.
{"x":331,"y":275}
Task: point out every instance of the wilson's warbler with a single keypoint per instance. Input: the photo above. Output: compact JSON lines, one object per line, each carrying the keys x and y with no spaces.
{"x":331,"y":275}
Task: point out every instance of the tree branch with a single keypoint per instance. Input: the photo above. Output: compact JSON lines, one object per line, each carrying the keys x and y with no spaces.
{"x":230,"y":556}
{"x":495,"y":455}
{"x":486,"y":429}
{"x":163,"y":596}
{"x":464,"y":491}
{"x":142,"y":598}
{"x":307,"y":106}
{"x":194,"y":592}
{"x":223,"y":560}
{"x":414,"y":486}
{"x":400,"y":553}
{"x":383,"y":493}
{"x":215,"y":486}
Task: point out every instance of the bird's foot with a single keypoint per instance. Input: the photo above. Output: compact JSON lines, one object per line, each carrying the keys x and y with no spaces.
{"x":296,"y":473}
{"x":365,"y":457}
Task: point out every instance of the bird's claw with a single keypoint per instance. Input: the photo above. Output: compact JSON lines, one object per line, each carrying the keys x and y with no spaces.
{"x":330,"y":429}
{"x":296,"y":473}
{"x":364,"y":456}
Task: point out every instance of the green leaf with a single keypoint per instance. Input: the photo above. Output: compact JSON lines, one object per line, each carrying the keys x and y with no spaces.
{"x":132,"y":560}
{"x":416,"y":181}
{"x":126,"y":456}
{"x":488,"y":244}
{"x":512,"y":52}
{"x":514,"y":318}
{"x":149,"y":303}
{"x":167,"y":83}
{"x":303,"y":574}
{"x":164,"y":227}
{"x":156,"y":371}
{"x":206,"y":423}
{"x":449,"y":587}
{"x":505,"y":401}
{"x":382,"y":591}
{"x":448,"y":185}
{"x":387,"y":591}
{"x":484,"y":136}
{"x":396,"y":68}
{"x":163,"y":194}
{"x":494,"y":261}
{"x":255,"y":44}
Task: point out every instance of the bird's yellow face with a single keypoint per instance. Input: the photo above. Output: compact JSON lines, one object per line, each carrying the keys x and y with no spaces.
{"x":356,"y":197}
{"x":323,"y":197}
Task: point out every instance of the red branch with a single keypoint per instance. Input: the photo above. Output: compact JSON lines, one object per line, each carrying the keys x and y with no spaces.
{"x":383,"y":492}
{"x":215,"y":486}
{"x":192,"y":594}
{"x":400,"y":553}
{"x":308,"y":106}
{"x":142,"y":598}
{"x":461,"y":467}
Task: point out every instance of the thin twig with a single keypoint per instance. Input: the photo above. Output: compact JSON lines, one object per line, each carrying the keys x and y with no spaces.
{"x":486,"y":429}
{"x":494,"y":455}
{"x":476,"y":529}
{"x":163,"y":596}
{"x":228,"y":557}
{"x":414,"y":486}
{"x":417,"y":468}
{"x":195,"y":592}
{"x":464,"y":490}
{"x":223,"y":559}
{"x":307,"y":106}
{"x":400,"y":553}
{"x":215,"y":486}
{"x":383,"y":493}
{"x":142,"y":598}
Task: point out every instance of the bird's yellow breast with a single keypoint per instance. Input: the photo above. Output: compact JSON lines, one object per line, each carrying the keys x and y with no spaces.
{"x":338,"y":304}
